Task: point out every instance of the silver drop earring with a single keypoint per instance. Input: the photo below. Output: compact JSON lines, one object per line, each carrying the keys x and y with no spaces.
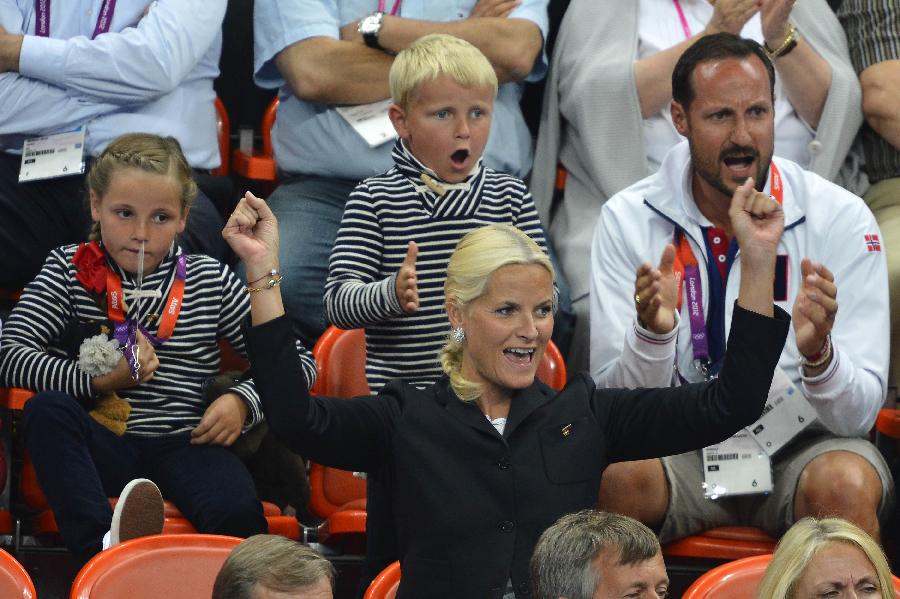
{"x":458,"y":335}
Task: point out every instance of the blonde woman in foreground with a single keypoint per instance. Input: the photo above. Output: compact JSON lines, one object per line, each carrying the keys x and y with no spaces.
{"x":827,"y":558}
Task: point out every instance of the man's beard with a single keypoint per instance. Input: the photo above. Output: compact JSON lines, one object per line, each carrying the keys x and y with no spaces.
{"x":712,"y":173}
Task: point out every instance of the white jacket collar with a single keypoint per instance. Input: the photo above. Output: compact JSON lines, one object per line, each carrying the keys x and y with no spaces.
{"x":670,"y":195}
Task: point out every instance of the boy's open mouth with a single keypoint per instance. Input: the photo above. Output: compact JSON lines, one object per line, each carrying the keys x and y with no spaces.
{"x":459,"y":157}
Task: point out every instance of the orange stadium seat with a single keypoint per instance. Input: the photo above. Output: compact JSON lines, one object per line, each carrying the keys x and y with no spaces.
{"x":223,"y":128}
{"x":259,"y":166}
{"x":182,"y":567}
{"x":385,"y":584}
{"x":14,"y":580}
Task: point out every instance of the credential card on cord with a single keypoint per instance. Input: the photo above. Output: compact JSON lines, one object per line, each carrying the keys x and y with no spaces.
{"x":736,"y":466}
{"x":370,"y":121}
{"x":52,"y":156}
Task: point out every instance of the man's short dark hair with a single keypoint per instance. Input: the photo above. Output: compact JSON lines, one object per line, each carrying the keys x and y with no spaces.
{"x":561,"y":565}
{"x":714,"y":47}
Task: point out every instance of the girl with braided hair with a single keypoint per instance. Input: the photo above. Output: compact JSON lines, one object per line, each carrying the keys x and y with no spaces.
{"x":118,"y":336}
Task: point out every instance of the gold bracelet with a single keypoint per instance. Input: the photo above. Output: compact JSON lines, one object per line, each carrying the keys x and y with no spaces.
{"x":275,"y":281}
{"x":789,"y":43}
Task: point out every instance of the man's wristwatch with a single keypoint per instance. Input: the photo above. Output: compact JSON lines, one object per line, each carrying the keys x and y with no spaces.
{"x":369,"y":27}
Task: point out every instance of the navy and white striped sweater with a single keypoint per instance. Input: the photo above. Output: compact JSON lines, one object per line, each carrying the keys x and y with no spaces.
{"x":214,"y":307}
{"x":382,"y":215}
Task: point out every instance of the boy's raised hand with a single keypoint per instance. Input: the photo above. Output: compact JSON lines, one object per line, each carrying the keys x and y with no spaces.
{"x":406,"y":288}
{"x":222,"y":422}
{"x":252,"y":232}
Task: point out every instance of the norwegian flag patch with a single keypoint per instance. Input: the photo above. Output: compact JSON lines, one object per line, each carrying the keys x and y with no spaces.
{"x":872,"y":243}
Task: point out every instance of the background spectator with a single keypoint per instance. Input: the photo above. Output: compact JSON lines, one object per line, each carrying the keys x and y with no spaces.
{"x":128,"y":66}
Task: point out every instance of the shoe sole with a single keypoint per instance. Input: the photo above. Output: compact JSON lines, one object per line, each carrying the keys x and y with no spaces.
{"x":139,"y":512}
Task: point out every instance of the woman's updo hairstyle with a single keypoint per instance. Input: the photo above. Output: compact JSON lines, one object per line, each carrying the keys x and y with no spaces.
{"x":476,"y":257}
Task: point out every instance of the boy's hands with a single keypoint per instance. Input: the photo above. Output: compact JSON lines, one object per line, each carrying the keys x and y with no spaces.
{"x":222,"y":422}
{"x":406,"y":288}
{"x":120,"y":376}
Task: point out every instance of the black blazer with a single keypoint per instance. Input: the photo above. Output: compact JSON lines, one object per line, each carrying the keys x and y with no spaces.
{"x":469,"y":503}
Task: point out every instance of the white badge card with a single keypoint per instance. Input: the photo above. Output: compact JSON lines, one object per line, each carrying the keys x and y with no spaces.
{"x":786,"y":414}
{"x":53,"y":156}
{"x":736,"y":466}
{"x":371,"y":121}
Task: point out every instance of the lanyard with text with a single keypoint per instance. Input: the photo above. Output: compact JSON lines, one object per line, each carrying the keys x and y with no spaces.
{"x":42,"y":17}
{"x":683,"y":19}
{"x":394,"y":10}
{"x":687,"y":272}
{"x":171,"y":309}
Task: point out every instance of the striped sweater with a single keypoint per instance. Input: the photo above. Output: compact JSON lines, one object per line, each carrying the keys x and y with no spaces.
{"x":382,"y":215}
{"x":214,"y":307}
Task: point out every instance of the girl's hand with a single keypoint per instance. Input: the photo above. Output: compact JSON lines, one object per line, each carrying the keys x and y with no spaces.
{"x":252,"y":232}
{"x":222,"y":422}
{"x":120,"y":376}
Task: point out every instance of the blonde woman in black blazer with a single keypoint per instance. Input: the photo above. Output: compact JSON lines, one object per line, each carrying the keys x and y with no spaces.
{"x":483,"y":461}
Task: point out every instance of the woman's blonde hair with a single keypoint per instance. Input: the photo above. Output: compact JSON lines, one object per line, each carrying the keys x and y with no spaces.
{"x":476,"y":257}
{"x":434,"y":55}
{"x":800,"y":545}
{"x":146,"y":152}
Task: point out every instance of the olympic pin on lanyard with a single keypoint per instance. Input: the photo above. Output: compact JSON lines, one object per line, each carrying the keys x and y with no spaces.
{"x":394,"y":10}
{"x":104,"y":19}
{"x":687,"y":272}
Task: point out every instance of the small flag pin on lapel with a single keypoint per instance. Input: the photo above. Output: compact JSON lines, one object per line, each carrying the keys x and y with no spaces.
{"x":566,"y":430}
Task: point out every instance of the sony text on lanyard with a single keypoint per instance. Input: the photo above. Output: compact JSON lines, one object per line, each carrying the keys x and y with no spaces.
{"x":126,"y":328}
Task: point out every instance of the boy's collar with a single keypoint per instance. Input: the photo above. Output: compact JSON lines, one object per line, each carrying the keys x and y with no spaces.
{"x":423,"y":177}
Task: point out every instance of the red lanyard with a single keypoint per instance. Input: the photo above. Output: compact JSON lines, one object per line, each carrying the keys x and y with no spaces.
{"x":104,"y":19}
{"x":684,"y":256}
{"x":171,"y":309}
{"x":394,"y":10}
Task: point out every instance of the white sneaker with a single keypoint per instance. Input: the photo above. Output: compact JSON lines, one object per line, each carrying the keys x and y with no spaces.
{"x":138,"y":513}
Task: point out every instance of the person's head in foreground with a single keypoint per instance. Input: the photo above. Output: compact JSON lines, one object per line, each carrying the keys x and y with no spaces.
{"x":443,"y":91}
{"x":598,"y":555}
{"x":826,"y":558}
{"x":274,"y":567}
{"x":499,"y":294}
{"x":723,"y":92}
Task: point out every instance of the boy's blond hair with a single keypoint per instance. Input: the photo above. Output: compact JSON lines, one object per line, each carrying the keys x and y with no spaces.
{"x":439,"y":54}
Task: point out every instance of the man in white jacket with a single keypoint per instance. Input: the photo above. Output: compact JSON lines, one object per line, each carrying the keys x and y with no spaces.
{"x":657,"y":326}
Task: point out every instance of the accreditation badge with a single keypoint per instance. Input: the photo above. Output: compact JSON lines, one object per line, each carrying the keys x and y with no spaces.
{"x":53,"y":156}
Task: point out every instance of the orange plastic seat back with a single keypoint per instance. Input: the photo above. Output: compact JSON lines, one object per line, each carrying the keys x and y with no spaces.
{"x":168,"y":566}
{"x":734,"y":580}
{"x":385,"y":584}
{"x":15,"y":582}
{"x":223,"y":128}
